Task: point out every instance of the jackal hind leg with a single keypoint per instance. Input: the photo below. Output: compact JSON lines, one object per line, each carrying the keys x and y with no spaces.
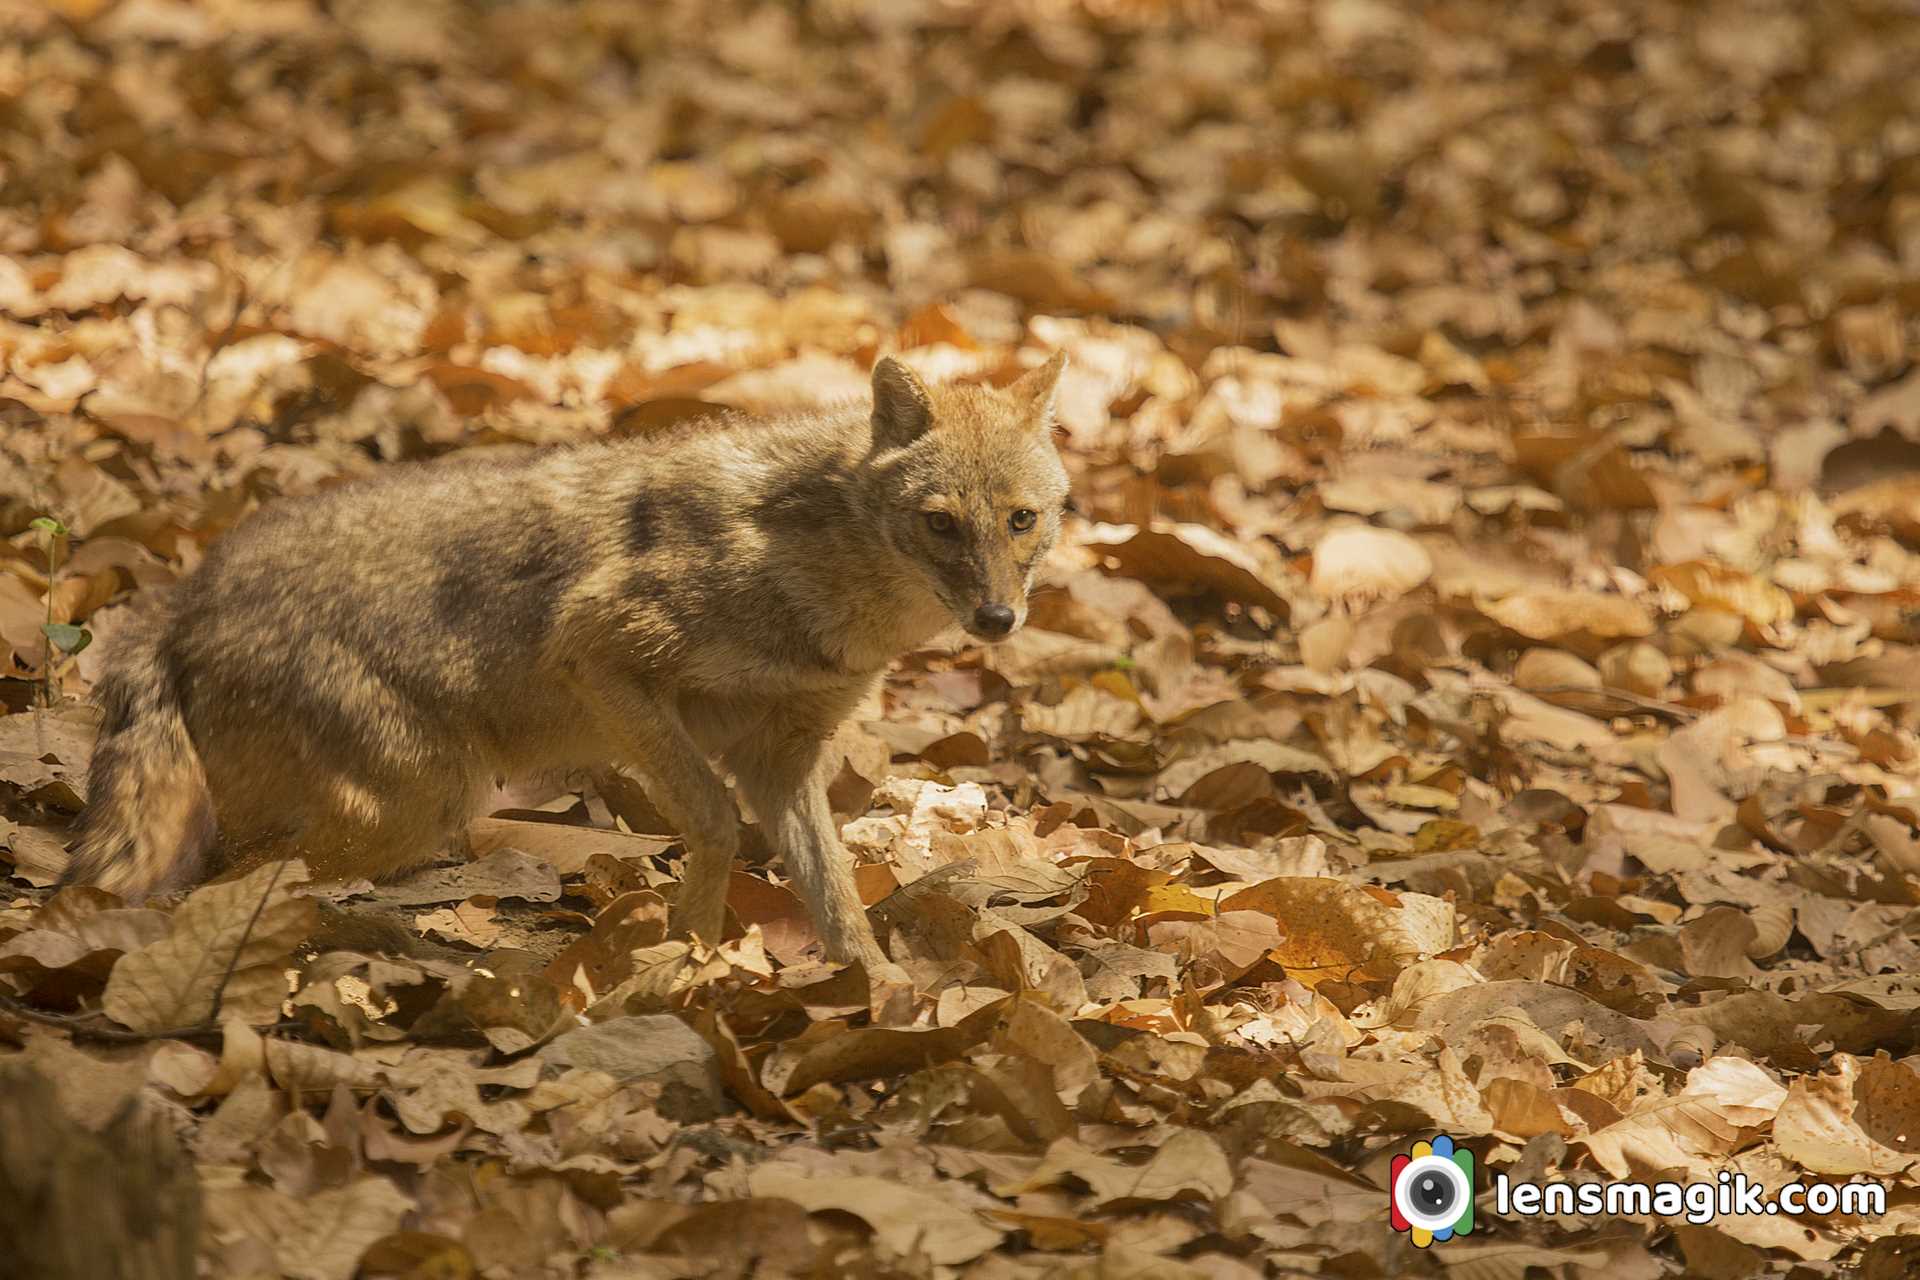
{"x":348,"y":773}
{"x":347,"y":823}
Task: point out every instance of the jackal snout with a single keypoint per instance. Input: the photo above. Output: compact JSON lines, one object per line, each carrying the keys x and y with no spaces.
{"x":979,"y":488}
{"x":987,"y":582}
{"x":994,"y":620}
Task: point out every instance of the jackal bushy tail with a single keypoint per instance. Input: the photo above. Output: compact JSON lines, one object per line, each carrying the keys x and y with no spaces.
{"x":149,"y":820}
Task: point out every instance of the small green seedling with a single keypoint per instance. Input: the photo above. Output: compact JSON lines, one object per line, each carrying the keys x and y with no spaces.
{"x":64,"y":637}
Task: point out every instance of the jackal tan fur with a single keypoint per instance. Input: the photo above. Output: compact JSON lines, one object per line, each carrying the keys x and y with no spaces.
{"x":345,"y":676}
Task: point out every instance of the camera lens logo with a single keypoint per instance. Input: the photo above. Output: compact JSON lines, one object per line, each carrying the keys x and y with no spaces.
{"x":1432,"y":1192}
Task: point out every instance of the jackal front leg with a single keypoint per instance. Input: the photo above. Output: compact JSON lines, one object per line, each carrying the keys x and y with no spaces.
{"x":651,"y":737}
{"x":783,"y":774}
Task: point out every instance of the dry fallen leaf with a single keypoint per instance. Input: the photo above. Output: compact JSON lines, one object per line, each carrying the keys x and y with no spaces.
{"x":1841,"y":1122}
{"x":1368,"y":564}
{"x":1715,"y":586}
{"x":907,"y":1221}
{"x":228,"y":944}
{"x":1551,"y":615}
{"x":1189,"y":555}
{"x":320,"y":1237}
{"x":1332,"y":929}
{"x":1473,"y":689}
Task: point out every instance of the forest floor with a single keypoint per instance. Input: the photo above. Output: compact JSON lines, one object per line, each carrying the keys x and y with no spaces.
{"x":1478,"y":694}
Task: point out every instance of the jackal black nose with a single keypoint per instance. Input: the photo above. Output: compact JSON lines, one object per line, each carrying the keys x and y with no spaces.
{"x":993,"y":619}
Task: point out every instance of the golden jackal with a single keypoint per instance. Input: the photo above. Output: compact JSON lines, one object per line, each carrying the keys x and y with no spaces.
{"x":345,"y":674}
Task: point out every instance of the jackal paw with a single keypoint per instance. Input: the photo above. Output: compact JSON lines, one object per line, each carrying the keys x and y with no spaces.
{"x":686,"y":924}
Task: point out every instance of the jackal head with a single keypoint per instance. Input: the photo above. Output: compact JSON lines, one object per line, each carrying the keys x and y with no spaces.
{"x":974,"y":488}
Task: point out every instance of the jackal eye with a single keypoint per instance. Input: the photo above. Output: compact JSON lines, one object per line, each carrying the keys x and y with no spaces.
{"x":1021,"y":520}
{"x":940,"y":522}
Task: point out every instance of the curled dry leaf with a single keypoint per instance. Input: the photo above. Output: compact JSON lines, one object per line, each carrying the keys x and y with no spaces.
{"x":22,"y":613}
{"x":1891,"y":505}
{"x":779,"y":913}
{"x":1185,"y":556}
{"x":1334,"y":930}
{"x":1636,"y":667}
{"x":1358,"y":563}
{"x":1736,"y":674}
{"x":1552,"y":615}
{"x":1553,"y":670}
{"x":1271,"y":757}
{"x":1714,"y":586}
{"x":1744,"y":1089}
{"x":1717,"y":944}
{"x":1695,"y":1129}
{"x":1772,"y":927}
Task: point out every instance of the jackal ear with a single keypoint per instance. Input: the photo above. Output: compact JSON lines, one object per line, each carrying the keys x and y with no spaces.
{"x":1035,"y":390}
{"x":902,"y":408}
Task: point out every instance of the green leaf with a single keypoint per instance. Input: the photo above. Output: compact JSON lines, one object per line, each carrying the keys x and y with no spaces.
{"x":47,"y":524}
{"x":66,"y":637}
